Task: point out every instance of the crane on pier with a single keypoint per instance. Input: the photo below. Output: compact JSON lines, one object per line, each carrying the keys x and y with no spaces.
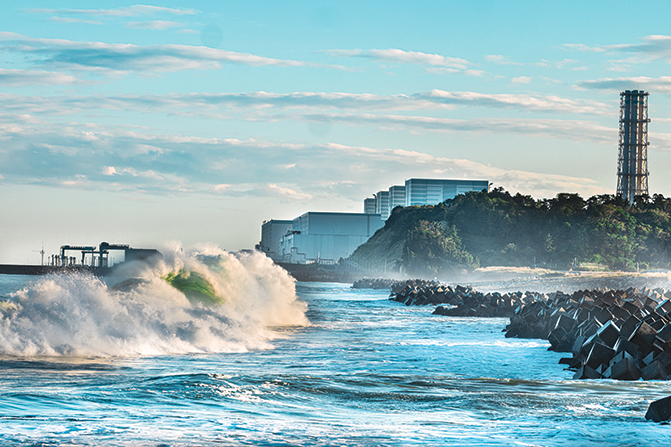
{"x":41,"y":252}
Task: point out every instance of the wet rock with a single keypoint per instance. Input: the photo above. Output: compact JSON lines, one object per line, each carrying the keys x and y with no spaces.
{"x":599,"y":354}
{"x":659,"y":410}
{"x":609,"y":333}
{"x":586,"y":372}
{"x":619,"y":334}
{"x":625,"y":370}
{"x":654,"y":371}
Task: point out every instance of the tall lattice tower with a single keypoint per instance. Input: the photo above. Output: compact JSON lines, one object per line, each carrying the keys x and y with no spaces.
{"x":632,"y":169}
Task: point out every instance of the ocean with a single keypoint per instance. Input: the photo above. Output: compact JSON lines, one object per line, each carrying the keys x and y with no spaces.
{"x":278,"y":363}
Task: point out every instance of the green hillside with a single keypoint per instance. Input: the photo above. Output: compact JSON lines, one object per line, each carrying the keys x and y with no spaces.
{"x":496,"y":228}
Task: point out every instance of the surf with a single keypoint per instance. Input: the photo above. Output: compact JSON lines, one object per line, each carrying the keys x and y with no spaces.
{"x":201,"y":300}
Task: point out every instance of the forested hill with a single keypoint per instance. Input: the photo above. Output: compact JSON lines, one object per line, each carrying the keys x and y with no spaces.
{"x":496,"y":228}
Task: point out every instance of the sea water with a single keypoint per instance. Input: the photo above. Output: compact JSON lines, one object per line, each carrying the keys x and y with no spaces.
{"x":279,"y":363}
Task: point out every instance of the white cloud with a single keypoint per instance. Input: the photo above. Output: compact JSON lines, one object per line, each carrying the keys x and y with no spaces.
{"x":443,"y":70}
{"x":570,"y":130}
{"x":500,"y":59}
{"x":59,"y":19}
{"x":650,"y":48}
{"x":659,"y":85}
{"x":127,"y":57}
{"x":476,"y":73}
{"x":207,"y":104}
{"x":128,"y":11}
{"x":521,"y":80}
{"x":523,"y":102}
{"x":153,"y":25}
{"x":583,"y":47}
{"x":287,"y":192}
{"x":188,"y":165}
{"x":405,"y":57}
{"x":17,"y":78}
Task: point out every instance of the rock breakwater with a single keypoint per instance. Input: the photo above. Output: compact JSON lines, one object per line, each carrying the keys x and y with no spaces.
{"x":460,"y":301}
{"x":613,"y":334}
{"x":620,"y":334}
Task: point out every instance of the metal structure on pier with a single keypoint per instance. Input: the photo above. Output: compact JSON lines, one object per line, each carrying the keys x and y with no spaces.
{"x":632,"y":169}
{"x":100,"y":257}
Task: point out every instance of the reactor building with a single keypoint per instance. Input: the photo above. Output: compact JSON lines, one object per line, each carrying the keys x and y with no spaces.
{"x":632,"y":168}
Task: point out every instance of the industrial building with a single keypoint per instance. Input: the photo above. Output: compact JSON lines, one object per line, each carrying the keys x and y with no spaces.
{"x":420,"y":191}
{"x":382,"y":204}
{"x":271,"y":233}
{"x":326,"y":237}
{"x":369,"y":205}
{"x":396,"y":197}
{"x":632,"y":171}
{"x":100,"y":257}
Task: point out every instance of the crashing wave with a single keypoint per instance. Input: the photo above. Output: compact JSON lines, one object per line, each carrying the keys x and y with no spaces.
{"x":205,"y":300}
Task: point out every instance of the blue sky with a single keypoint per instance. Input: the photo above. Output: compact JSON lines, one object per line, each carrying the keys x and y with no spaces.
{"x":194,"y":122}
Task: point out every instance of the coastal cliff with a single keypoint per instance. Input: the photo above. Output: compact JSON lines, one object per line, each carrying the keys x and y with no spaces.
{"x":481,"y":229}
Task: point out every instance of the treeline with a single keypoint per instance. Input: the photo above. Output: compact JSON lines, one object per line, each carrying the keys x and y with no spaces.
{"x":497,"y":228}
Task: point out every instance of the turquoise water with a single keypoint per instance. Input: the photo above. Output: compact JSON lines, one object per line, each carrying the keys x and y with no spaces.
{"x":364,"y":371}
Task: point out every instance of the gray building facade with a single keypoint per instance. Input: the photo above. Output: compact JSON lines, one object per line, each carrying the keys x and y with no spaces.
{"x":271,"y":233}
{"x":433,"y":191}
{"x":382,"y":204}
{"x":369,"y":205}
{"x":326,"y":237}
{"x":396,"y":197}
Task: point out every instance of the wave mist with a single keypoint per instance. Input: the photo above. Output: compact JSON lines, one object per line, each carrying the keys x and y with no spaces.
{"x":138,"y":312}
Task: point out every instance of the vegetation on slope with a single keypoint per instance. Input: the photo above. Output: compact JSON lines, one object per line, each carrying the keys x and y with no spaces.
{"x":497,"y":228}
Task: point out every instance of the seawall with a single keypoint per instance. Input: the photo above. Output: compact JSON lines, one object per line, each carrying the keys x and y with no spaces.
{"x":20,"y":269}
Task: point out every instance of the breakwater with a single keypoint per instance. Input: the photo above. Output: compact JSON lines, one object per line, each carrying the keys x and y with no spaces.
{"x":614,"y":334}
{"x":21,"y":269}
{"x":620,"y":334}
{"x":461,"y":301}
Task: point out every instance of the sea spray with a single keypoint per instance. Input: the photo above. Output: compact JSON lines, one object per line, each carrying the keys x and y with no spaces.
{"x":137,"y":312}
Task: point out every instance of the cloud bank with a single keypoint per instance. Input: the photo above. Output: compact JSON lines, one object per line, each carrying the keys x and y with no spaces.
{"x":650,"y":48}
{"x":206,"y":103}
{"x":128,"y":11}
{"x":119,"y":159}
{"x":66,"y":54}
{"x":659,"y":85}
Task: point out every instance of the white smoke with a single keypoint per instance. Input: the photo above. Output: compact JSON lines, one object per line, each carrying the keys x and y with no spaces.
{"x":79,"y":315}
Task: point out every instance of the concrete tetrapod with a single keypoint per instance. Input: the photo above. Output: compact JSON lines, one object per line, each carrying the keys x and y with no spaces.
{"x":659,"y":410}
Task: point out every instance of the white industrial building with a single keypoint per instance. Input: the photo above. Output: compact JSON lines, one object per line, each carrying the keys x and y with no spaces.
{"x":396,"y":197}
{"x":382,"y":204}
{"x":369,"y":205}
{"x":326,"y":237}
{"x":419,"y":191}
{"x":271,"y":233}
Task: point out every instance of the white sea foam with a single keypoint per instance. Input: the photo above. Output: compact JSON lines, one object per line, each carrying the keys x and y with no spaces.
{"x":85,"y":316}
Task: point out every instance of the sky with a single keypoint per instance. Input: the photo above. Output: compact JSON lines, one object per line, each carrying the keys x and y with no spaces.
{"x":194,"y":122}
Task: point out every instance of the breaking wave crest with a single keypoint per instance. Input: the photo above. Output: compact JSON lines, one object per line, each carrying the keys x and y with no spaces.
{"x":158,"y":308}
